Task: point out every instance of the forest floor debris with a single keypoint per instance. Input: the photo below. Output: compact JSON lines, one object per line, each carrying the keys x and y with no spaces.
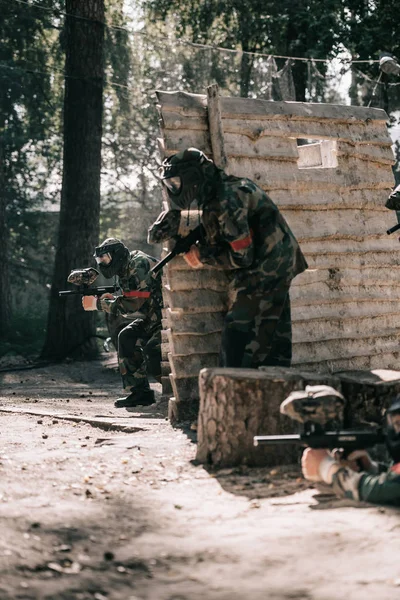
{"x":98,"y":503}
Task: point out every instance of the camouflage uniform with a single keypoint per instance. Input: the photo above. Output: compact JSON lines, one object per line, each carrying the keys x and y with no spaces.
{"x":325,"y":406}
{"x":247,"y":235}
{"x":140,"y":306}
{"x":381,"y":487}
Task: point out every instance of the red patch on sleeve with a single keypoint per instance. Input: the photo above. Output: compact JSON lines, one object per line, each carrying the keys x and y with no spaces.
{"x":136,"y":294}
{"x":241,"y":244}
{"x":396,"y":468}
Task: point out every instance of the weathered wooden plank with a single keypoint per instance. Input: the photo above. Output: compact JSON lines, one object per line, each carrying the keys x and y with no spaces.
{"x":197,"y":323}
{"x":190,"y":366}
{"x":178,"y":139}
{"x":383,"y":154}
{"x":353,"y":259}
{"x":363,"y":133}
{"x":185,"y":389}
{"x":346,"y":244}
{"x":237,"y":108}
{"x":309,"y":199}
{"x":236,"y":145}
{"x":215,"y":126}
{"x":184,"y":101}
{"x":389,"y":360}
{"x":197,"y":279}
{"x":345,"y":308}
{"x":313,"y":224}
{"x":351,"y":173}
{"x":186,"y":344}
{"x":315,"y":330}
{"x":303,"y":332}
{"x":175,"y":120}
{"x":346,"y":348}
{"x":195,"y":301}
{"x":341,"y":278}
{"x":322,"y":293}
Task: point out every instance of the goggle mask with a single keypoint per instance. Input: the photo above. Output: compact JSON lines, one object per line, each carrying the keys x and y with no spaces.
{"x":102,"y":254}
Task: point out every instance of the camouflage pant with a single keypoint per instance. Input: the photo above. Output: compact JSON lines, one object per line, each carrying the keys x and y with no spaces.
{"x":137,"y":347}
{"x":258,"y":330}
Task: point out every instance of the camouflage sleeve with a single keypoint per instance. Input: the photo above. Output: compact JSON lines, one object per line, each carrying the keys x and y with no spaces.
{"x":139,"y":280}
{"x":377,"y":489}
{"x":236,"y":249}
{"x":380,"y":489}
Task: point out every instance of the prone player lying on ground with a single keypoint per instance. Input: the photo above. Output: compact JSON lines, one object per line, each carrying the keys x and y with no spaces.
{"x":336,"y":457}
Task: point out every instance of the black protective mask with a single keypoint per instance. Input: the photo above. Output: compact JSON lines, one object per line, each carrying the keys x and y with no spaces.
{"x":119,"y":258}
{"x":190,"y":187}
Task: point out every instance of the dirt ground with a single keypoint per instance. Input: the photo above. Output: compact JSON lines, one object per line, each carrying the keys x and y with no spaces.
{"x":98,"y":503}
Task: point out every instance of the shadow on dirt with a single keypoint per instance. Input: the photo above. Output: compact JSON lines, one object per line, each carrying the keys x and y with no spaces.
{"x":261,"y":482}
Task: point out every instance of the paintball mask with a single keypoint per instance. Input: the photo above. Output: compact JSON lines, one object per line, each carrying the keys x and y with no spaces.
{"x":187,"y":176}
{"x":393,"y":429}
{"x":111,"y":256}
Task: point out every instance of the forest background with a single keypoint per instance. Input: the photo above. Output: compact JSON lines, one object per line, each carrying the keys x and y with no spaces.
{"x":79,"y":124}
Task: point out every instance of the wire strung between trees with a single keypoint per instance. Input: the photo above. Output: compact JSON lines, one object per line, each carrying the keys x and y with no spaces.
{"x":182,"y":41}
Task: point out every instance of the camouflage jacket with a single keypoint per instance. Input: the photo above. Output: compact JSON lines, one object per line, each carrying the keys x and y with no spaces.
{"x":141,"y":293}
{"x":246,"y":234}
{"x":377,"y":488}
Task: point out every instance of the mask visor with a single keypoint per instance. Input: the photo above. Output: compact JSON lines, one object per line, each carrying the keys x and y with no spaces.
{"x":104,"y":259}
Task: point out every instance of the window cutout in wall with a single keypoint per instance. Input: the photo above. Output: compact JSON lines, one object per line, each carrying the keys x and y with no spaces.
{"x":317,"y":154}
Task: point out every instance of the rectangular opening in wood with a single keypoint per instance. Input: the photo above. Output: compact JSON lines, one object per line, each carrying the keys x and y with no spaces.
{"x":317,"y":154}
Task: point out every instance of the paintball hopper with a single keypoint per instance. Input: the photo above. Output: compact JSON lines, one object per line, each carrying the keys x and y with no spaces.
{"x":83,"y":277}
{"x":319,"y":404}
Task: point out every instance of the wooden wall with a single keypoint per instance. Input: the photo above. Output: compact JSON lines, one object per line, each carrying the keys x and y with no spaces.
{"x":346,"y":307}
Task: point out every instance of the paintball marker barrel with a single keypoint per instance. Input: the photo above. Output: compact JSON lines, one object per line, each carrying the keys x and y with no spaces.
{"x":347,"y":439}
{"x":90,"y":291}
{"x":393,"y":229}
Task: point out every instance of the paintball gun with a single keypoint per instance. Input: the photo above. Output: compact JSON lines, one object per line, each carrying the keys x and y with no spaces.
{"x":393,"y":229}
{"x":320,"y":409}
{"x":182,"y":245}
{"x":83,"y":278}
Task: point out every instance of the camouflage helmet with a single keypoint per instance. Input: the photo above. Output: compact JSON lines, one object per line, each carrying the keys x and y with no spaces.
{"x":319,"y":404}
{"x":165,"y":227}
{"x":187,"y":176}
{"x":118,"y":254}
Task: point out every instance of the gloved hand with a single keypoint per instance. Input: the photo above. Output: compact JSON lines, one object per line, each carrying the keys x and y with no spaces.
{"x":193,"y":258}
{"x":319,"y":465}
{"x":358,"y":460}
{"x":89,"y":302}
{"x":165,"y":227}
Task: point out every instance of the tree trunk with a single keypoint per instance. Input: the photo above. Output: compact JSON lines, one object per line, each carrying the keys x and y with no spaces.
{"x":237,"y":404}
{"x":70,"y":330}
{"x":5,"y":304}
